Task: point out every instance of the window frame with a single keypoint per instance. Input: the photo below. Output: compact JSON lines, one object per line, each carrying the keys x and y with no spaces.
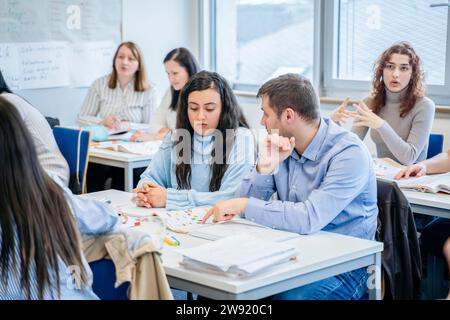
{"x":324,"y":55}
{"x":341,"y":87}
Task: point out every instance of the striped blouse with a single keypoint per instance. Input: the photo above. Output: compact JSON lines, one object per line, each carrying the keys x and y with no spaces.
{"x":128,"y":104}
{"x":47,"y":150}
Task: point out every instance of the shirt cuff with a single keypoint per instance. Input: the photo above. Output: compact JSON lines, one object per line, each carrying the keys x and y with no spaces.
{"x":254,"y":211}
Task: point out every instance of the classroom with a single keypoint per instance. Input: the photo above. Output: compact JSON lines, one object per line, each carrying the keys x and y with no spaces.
{"x":259,"y":150}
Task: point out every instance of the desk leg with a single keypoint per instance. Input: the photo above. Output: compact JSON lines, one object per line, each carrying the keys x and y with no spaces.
{"x":375,"y":285}
{"x":128,"y":171}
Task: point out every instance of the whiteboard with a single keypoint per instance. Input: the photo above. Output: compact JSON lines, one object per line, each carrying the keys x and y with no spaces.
{"x":57,"y":43}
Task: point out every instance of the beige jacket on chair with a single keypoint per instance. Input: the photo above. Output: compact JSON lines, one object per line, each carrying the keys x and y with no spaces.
{"x":142,"y":268}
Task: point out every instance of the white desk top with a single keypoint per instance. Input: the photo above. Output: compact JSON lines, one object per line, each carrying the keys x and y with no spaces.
{"x":439,"y":200}
{"x":317,"y":251}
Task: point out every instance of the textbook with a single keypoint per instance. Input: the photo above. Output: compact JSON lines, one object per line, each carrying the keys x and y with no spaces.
{"x":387,"y":169}
{"x":238,"y":255}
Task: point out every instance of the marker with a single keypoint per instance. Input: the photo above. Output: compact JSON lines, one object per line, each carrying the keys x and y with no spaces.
{"x":172,"y":241}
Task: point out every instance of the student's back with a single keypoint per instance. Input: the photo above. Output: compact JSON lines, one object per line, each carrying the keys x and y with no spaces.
{"x":41,"y":255}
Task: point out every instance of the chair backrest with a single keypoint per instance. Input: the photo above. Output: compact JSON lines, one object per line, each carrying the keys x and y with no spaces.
{"x":74,"y":146}
{"x":435,"y":144}
{"x":104,"y":278}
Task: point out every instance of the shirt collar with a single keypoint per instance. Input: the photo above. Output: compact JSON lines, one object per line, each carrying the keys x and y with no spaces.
{"x":312,"y":150}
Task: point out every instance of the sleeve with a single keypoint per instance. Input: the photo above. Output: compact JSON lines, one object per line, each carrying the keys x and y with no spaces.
{"x":408,"y":151}
{"x":150,"y":105}
{"x":159,"y":168}
{"x":240,"y":162}
{"x":346,"y":177}
{"x":93,"y":217}
{"x":261,"y":186}
{"x":158,"y":120}
{"x":91,"y":106}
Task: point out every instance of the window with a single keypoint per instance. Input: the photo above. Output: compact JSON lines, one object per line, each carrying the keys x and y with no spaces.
{"x":260,"y":39}
{"x":362,"y":29}
{"x":367,"y":27}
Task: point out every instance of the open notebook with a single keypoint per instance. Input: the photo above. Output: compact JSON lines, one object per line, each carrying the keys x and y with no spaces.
{"x":387,"y":169}
{"x":141,"y":148}
{"x":188,"y":221}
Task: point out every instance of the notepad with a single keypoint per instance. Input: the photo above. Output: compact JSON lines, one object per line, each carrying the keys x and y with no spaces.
{"x":238,"y":255}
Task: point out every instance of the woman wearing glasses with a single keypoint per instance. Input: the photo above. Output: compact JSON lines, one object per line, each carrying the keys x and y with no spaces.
{"x":397,"y":112}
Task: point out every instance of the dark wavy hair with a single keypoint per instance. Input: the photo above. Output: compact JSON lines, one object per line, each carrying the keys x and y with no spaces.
{"x":185,"y":59}
{"x":35,"y":218}
{"x":415,"y":88}
{"x":231,"y":117}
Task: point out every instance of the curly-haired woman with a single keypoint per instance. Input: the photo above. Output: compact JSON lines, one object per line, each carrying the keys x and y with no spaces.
{"x":397,"y":111}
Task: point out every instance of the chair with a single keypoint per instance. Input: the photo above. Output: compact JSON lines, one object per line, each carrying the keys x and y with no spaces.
{"x":74,"y":146}
{"x":435,"y":144}
{"x":53,"y":122}
{"x":104,"y":275}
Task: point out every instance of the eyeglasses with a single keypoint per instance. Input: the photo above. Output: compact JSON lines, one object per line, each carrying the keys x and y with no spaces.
{"x":391,"y":67}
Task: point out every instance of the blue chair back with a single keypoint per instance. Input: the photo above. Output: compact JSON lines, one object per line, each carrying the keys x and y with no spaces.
{"x":104,"y":275}
{"x":74,"y":146}
{"x":435,"y":144}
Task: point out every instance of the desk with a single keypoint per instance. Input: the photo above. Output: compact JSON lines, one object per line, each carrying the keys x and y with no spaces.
{"x":428,"y":203}
{"x":322,"y":255}
{"x":127,"y":161}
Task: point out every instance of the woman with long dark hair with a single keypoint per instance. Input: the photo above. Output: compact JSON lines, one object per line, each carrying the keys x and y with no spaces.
{"x":209,"y":153}
{"x":40,"y":223}
{"x":397,"y":112}
{"x":180,"y":65}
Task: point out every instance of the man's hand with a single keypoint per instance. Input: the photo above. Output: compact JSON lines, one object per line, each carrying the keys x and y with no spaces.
{"x":275,"y":149}
{"x":151,"y":195}
{"x":226,"y":210}
{"x":416,"y":170}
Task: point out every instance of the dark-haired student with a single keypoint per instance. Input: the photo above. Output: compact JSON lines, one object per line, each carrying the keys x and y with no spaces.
{"x":217,"y":149}
{"x":323,"y":176}
{"x":180,"y":65}
{"x":47,"y":150}
{"x":398,"y":113}
{"x":40,"y":222}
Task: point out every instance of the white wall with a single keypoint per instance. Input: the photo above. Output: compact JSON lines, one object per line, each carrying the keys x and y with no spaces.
{"x":156,"y":26}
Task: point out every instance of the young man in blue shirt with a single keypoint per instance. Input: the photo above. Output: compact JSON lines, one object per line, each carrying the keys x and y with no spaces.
{"x":323,"y":177}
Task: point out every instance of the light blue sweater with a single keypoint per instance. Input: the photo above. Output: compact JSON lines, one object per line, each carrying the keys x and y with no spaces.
{"x":162,"y":171}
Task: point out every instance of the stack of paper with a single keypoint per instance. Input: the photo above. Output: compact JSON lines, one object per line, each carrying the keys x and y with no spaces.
{"x":241,"y":226}
{"x":238,"y":255}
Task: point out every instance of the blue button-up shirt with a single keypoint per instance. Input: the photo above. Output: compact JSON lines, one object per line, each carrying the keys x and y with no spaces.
{"x":331,"y":187}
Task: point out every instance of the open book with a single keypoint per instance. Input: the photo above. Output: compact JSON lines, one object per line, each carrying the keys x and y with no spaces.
{"x":188,"y":221}
{"x":387,"y":169}
{"x":237,"y":255}
{"x":141,"y":148}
